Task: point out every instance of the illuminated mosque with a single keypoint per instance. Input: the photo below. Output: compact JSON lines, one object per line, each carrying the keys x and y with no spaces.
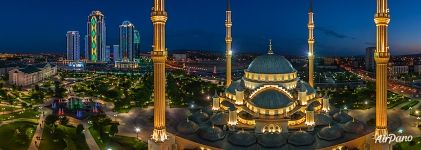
{"x":270,"y":107}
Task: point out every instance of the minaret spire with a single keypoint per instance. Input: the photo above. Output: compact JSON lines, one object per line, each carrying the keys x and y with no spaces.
{"x":381,"y":56}
{"x":228,"y":41}
{"x":270,"y":52}
{"x":311,"y":42}
{"x":159,"y":139}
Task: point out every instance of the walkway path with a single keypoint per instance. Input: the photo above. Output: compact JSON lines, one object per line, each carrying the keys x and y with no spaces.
{"x":89,"y":138}
{"x":39,"y":130}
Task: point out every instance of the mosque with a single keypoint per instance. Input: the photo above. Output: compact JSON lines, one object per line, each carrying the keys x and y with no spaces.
{"x":270,"y":107}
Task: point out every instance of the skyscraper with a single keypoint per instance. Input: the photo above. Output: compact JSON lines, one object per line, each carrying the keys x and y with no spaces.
{"x":116,"y":49}
{"x":369,"y":58}
{"x":311,"y":45}
{"x":73,"y":45}
{"x":86,"y":56}
{"x":126,"y":41}
{"x":107,"y":53}
{"x":96,"y":37}
{"x":136,"y":48}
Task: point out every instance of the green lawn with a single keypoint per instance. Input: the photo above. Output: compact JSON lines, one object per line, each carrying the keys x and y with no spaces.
{"x":118,"y":142}
{"x":415,"y":144}
{"x":63,"y":137}
{"x":410,"y":104}
{"x":31,"y":114}
{"x":16,"y":135}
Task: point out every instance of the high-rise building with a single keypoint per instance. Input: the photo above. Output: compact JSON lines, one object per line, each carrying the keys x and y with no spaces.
{"x":136,"y":48}
{"x":86,"y":56}
{"x":96,"y":37}
{"x":369,"y":58}
{"x":73,"y":45}
{"x":116,"y":49}
{"x":107,"y":53}
{"x":126,"y":41}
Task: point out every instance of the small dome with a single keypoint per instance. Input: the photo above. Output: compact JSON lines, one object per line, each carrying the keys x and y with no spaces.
{"x":330,"y":133}
{"x":241,"y":86}
{"x":271,"y":99}
{"x":187,"y":127}
{"x":242,"y":138}
{"x":219,"y":119}
{"x":270,"y":64}
{"x":333,"y":110}
{"x":272,"y":140}
{"x":300,"y":138}
{"x":199,"y":117}
{"x":354,"y":126}
{"x":312,"y":105}
{"x":302,"y":87}
{"x":211,"y":133}
{"x":245,"y":115}
{"x":323,"y":119}
{"x":342,"y":117}
{"x":297,"y":115}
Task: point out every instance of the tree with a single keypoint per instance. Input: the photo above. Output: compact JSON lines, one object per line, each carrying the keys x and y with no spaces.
{"x":51,"y":119}
{"x":64,"y":120}
{"x":79,"y":129}
{"x":113,"y":129}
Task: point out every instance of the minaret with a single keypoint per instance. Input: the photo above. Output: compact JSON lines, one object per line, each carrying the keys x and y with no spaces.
{"x":310,"y":45}
{"x":381,"y":56}
{"x":228,"y":41}
{"x":159,"y":56}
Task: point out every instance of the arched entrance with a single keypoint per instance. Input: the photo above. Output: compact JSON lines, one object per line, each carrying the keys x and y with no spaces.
{"x":271,"y":128}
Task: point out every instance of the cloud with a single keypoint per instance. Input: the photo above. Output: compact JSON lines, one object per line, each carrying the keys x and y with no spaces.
{"x":332,"y":33}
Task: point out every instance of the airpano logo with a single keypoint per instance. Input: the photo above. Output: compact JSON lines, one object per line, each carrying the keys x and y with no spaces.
{"x":392,"y":138}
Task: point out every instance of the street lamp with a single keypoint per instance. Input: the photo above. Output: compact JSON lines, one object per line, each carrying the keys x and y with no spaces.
{"x":418,"y":121}
{"x":137,"y":129}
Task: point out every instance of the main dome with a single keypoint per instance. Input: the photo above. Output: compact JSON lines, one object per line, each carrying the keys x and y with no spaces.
{"x":270,"y":64}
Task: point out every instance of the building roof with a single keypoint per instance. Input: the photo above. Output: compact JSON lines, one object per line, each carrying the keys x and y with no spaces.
{"x":330,"y":133}
{"x":300,"y":138}
{"x":242,"y":138}
{"x":342,"y":117}
{"x":211,"y":133}
{"x":187,"y":127}
{"x":270,"y":64}
{"x":219,"y":118}
{"x":29,"y":69}
{"x":323,"y":119}
{"x":272,"y":140}
{"x":271,"y":99}
{"x":353,"y":126}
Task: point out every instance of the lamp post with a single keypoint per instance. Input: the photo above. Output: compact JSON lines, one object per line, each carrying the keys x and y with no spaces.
{"x":418,"y":121}
{"x":137,"y":129}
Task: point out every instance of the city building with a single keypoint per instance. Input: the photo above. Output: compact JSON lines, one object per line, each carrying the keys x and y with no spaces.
{"x":126,"y":52}
{"x":179,"y":57}
{"x":31,"y":74}
{"x":73,"y":45}
{"x":369,"y":59}
{"x":96,"y":37}
{"x":136,"y":47}
{"x":86,"y":52}
{"x":116,"y":49}
{"x":417,"y":69}
{"x":107,"y":53}
{"x":398,"y":70}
